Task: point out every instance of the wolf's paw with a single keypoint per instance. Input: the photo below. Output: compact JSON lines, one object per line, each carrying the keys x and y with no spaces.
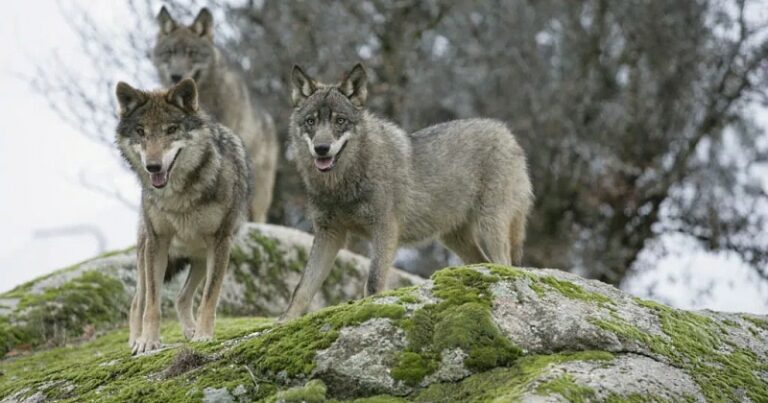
{"x":188,"y":332}
{"x":202,"y":338}
{"x":144,"y":345}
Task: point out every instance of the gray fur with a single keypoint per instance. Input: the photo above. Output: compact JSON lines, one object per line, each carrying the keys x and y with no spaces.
{"x":189,"y":52}
{"x":191,"y":213}
{"x":464,"y":182}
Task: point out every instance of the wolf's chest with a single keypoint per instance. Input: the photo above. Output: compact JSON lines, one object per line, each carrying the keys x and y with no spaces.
{"x":190,"y":229}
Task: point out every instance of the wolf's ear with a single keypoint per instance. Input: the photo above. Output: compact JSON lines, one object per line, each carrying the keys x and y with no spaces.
{"x":303,"y":85}
{"x":128,"y":98}
{"x":184,"y":95}
{"x":166,"y":22}
{"x":203,"y":24}
{"x":355,"y":85}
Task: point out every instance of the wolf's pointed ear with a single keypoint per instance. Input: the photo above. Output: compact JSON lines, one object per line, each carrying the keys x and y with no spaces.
{"x":166,"y":22}
{"x":203,"y":24}
{"x":355,"y":85}
{"x":128,"y":98}
{"x":303,"y":85}
{"x":184,"y":95}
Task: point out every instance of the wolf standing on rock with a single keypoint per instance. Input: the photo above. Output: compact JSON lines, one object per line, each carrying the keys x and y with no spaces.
{"x":196,"y":189}
{"x":465,"y":181}
{"x":189,"y":52}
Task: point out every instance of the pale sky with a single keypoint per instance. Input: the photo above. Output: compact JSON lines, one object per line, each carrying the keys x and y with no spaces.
{"x":42,"y":159}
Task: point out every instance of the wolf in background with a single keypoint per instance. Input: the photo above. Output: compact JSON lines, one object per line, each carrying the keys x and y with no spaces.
{"x":464,"y":181}
{"x":189,"y":52}
{"x":196,"y":188}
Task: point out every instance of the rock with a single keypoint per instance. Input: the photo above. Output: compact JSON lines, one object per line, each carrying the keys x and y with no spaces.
{"x":473,"y":333}
{"x":266,"y":264}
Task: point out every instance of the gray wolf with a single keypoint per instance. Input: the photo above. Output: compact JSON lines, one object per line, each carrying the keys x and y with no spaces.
{"x":189,"y":52}
{"x":195,"y":192}
{"x":464,"y":181}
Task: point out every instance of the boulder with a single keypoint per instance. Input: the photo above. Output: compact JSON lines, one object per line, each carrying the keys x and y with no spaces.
{"x":473,"y":333}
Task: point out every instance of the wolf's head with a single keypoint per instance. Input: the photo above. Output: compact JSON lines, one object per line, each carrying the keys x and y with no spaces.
{"x":327,"y":117}
{"x":159,"y":130}
{"x":184,"y":51}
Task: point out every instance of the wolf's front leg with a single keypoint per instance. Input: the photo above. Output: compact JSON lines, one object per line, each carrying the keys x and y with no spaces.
{"x":137,"y":305}
{"x":325,"y":247}
{"x":218,"y":262}
{"x":384,"y":246}
{"x":155,"y":263}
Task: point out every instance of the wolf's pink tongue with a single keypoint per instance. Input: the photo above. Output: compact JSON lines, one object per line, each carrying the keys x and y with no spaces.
{"x":323,"y":163}
{"x":159,"y":179}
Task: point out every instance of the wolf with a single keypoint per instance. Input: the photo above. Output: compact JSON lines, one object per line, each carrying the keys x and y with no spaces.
{"x":196,"y":187}
{"x":189,"y":52}
{"x":464,"y":181}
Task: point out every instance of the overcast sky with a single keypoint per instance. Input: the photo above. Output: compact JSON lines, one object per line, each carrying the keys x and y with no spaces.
{"x":42,"y":160}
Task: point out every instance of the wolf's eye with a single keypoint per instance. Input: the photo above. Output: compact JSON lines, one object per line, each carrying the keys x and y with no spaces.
{"x":171,"y":129}
{"x":140,"y":131}
{"x":310,"y":121}
{"x":340,"y":121}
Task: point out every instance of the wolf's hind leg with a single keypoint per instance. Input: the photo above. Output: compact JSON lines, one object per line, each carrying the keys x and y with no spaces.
{"x":324,"y":249}
{"x":517,"y":238}
{"x":463,"y":243}
{"x":493,"y":235}
{"x":185,"y":298}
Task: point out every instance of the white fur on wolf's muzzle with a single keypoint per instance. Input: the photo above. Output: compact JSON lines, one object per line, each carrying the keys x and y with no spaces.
{"x":167,"y":159}
{"x":335,"y":145}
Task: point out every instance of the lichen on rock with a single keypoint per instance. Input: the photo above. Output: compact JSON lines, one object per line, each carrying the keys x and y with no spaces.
{"x":472,"y":333}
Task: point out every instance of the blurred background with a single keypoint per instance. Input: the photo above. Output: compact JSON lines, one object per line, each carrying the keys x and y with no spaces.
{"x":644,"y":123}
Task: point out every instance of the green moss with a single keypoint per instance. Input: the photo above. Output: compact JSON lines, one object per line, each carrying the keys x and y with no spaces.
{"x":760,"y":323}
{"x":291,"y":347}
{"x":103,"y":369}
{"x":380,"y":399}
{"x":731,"y":323}
{"x":462,"y":320}
{"x":312,"y":392}
{"x":637,"y":398}
{"x":695,"y":344}
{"x":405,"y":295}
{"x":567,"y":388}
{"x":574,"y":291}
{"x":59,"y":314}
{"x":503,"y":384}
{"x":412,"y":368}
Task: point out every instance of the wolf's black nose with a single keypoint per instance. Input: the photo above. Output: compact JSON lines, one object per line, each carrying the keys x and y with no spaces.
{"x":322,"y":149}
{"x":154,"y":168}
{"x":175,"y":78}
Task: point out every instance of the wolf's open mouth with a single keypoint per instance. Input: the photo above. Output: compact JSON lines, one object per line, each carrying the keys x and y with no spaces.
{"x":325,"y":164}
{"x":160,"y":179}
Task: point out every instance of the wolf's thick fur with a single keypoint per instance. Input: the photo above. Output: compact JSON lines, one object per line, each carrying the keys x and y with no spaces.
{"x":189,"y":52}
{"x":464,"y":181}
{"x":196,"y":189}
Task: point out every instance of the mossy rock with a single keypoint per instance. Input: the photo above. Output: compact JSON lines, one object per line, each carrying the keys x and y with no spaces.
{"x":474,"y":333}
{"x":266,"y":264}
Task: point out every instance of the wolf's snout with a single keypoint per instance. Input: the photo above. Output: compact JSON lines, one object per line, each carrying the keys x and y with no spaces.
{"x":154,"y":168}
{"x":322,"y":149}
{"x":175,"y":78}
